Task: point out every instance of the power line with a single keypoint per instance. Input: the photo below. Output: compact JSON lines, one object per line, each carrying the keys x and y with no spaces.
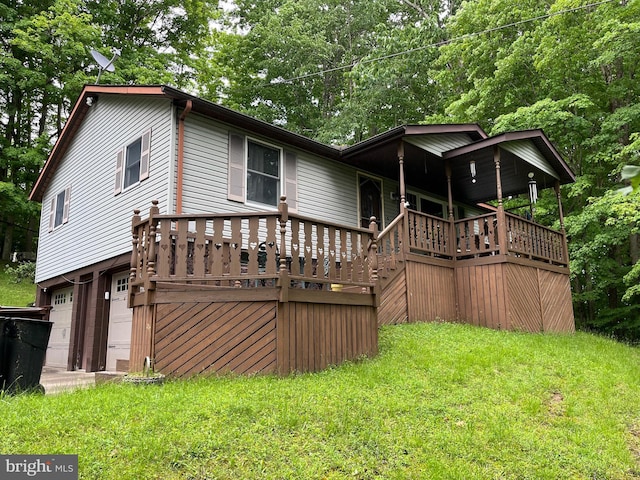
{"x":438,"y":44}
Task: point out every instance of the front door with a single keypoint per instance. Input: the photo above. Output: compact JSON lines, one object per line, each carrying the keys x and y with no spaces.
{"x":119,"y":336}
{"x":370,"y":191}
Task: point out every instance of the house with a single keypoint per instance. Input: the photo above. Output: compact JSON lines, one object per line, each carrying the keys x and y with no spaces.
{"x":176,"y":229}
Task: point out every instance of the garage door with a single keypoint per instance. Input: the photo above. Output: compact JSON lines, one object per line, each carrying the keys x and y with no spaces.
{"x":60,"y":315}
{"x":119,"y":336}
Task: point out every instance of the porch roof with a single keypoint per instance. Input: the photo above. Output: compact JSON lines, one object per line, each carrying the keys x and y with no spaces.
{"x":427,"y":149}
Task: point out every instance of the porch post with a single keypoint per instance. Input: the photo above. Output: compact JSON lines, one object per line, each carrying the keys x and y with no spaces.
{"x":453,"y":241}
{"x":404,"y":232}
{"x":565,"y":249}
{"x":403,"y":191}
{"x":502,"y":219}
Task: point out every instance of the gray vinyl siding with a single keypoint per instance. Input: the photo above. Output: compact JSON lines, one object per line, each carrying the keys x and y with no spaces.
{"x":326,"y":189}
{"x":526,"y":150}
{"x":99,"y":224}
{"x":439,"y":143}
{"x":205,"y":168}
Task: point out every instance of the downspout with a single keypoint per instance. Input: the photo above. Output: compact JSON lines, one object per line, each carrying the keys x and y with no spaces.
{"x":179,"y":178}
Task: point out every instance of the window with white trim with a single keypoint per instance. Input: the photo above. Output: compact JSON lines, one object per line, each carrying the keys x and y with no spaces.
{"x":59,"y":213}
{"x":132,"y":162}
{"x":263,"y":173}
{"x":260,"y":172}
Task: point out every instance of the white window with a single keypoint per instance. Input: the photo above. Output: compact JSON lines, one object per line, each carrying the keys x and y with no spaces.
{"x":59,"y":213}
{"x":132,"y":162}
{"x":60,"y":299}
{"x":122,"y":284}
{"x":263,"y":173}
{"x":260,"y":173}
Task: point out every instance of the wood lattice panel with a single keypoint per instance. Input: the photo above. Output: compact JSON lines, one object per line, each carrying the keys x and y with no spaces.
{"x":393,"y":301}
{"x":194,"y":338}
{"x":525,"y":309}
{"x":555,"y":296}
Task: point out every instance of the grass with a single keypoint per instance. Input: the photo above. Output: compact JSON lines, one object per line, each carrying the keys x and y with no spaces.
{"x":441,"y":401}
{"x":15,"y":294}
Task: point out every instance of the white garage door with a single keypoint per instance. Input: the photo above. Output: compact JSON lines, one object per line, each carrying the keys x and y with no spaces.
{"x":60,"y":315}
{"x":119,"y":336}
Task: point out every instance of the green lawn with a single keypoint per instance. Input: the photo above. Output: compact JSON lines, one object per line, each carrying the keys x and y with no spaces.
{"x":15,"y":294}
{"x":441,"y":401}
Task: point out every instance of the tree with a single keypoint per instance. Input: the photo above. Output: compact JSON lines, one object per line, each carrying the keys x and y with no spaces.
{"x":571,"y":71}
{"x":45,"y":62}
{"x":327,"y":68}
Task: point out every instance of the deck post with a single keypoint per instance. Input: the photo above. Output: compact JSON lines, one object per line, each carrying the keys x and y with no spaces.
{"x":565,"y":249}
{"x":502,"y":219}
{"x":133,"y":266}
{"x":283,"y":274}
{"x":452,"y":244}
{"x":150,"y":285}
{"x":372,"y":254}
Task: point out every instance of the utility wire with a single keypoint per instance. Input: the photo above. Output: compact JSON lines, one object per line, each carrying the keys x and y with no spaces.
{"x":438,"y":44}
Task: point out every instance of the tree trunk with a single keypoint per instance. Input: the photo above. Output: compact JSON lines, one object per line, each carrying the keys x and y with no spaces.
{"x":8,"y":240}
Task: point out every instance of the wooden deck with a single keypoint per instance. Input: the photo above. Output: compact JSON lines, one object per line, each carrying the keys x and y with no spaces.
{"x":280,"y":293}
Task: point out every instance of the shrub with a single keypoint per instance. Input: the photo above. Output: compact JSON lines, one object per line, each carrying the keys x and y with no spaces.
{"x":22,"y":271}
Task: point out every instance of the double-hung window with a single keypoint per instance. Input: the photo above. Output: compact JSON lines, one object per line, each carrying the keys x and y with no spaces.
{"x":260,"y":173}
{"x":59,"y":213}
{"x":132,"y":162}
{"x":263,"y":173}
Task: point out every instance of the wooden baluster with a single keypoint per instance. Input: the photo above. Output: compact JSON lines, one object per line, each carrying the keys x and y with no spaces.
{"x":252,"y":247}
{"x":273,"y":263}
{"x":163,"y":264}
{"x":332,"y":253}
{"x":235,"y":248}
{"x":151,"y":261}
{"x":322,"y":270}
{"x":308,"y":249}
{"x":199,"y":248}
{"x":219,"y":251}
{"x":344,"y":255}
{"x":296,"y":267}
{"x":182,"y":248}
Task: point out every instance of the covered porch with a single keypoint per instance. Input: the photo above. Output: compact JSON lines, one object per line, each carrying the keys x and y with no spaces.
{"x":280,"y":292}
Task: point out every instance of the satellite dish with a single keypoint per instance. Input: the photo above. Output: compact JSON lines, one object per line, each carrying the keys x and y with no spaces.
{"x":104,"y":62}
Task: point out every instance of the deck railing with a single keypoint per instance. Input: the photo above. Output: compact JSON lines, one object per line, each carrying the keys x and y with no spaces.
{"x":429,"y":235}
{"x":281,"y":249}
{"x":528,"y":239}
{"x":477,"y":236}
{"x":251,"y":250}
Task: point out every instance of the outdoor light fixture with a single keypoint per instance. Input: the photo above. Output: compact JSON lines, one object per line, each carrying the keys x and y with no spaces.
{"x":472,"y":166}
{"x":533,"y":188}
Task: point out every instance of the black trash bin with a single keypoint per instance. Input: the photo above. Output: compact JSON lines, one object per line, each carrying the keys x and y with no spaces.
{"x":23,"y":345}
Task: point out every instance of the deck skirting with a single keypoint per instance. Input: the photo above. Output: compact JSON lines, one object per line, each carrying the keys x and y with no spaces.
{"x":198,"y":332}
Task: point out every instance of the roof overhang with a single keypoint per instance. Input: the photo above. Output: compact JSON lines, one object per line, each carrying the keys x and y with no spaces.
{"x":426,"y":149}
